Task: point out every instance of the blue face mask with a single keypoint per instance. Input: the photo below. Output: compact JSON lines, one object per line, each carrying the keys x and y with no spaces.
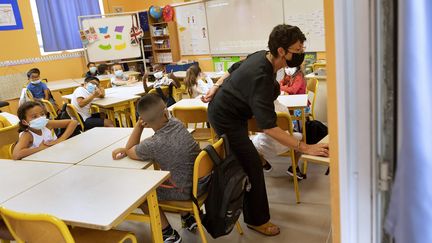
{"x":38,"y":123}
{"x":93,"y":69}
{"x":91,"y":87}
{"x":118,"y":73}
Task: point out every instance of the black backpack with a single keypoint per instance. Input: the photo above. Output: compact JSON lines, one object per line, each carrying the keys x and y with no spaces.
{"x":63,"y":115}
{"x":228,"y":184}
{"x":315,"y":131}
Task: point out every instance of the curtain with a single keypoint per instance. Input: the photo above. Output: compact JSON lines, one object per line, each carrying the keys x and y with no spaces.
{"x":59,"y":22}
{"x":410,"y":213}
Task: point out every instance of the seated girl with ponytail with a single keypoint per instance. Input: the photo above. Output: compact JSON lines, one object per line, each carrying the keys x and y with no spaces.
{"x":36,"y":131}
{"x":195,"y":84}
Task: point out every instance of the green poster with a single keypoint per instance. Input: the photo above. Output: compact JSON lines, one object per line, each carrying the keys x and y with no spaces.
{"x":223,"y":63}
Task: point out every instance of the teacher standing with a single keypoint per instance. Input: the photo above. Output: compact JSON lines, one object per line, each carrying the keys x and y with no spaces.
{"x":246,"y":92}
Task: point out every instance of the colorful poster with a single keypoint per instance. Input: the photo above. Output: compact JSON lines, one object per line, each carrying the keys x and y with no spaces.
{"x":192,"y":29}
{"x":10,"y":18}
{"x":222,"y":64}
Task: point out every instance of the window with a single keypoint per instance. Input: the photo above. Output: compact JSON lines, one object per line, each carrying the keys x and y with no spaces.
{"x":58,"y":29}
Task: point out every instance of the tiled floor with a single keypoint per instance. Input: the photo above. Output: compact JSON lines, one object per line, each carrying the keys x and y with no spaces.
{"x":307,"y":222}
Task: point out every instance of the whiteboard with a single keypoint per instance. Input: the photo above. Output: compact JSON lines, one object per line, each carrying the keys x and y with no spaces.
{"x":114,"y":39}
{"x":309,"y":17}
{"x":192,"y":29}
{"x":241,"y":26}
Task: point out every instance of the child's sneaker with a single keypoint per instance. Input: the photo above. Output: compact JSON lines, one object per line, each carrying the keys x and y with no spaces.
{"x":188,"y":221}
{"x":300,"y":175}
{"x":171,"y":236}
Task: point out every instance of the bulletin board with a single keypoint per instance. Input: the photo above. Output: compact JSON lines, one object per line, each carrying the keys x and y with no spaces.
{"x":10,"y":17}
{"x":113,"y":38}
{"x":192,"y":29}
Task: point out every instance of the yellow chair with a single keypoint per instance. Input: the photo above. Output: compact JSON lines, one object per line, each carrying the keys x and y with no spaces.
{"x":50,"y":108}
{"x":43,"y":228}
{"x":8,"y":136}
{"x":312,"y":90}
{"x":195,"y":115}
{"x":318,"y":65}
{"x":203,"y":167}
{"x":165,"y":90}
{"x":4,"y":122}
{"x":285,"y":123}
{"x":73,"y":113}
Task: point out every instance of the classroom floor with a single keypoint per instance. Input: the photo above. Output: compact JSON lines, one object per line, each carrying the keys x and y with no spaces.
{"x":307,"y":222}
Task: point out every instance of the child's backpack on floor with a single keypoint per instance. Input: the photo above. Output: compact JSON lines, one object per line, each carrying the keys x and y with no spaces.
{"x":228,"y":184}
{"x":63,"y":115}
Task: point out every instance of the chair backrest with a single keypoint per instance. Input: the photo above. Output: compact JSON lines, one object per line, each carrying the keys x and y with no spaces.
{"x":8,"y":136}
{"x":204,"y":165}
{"x":4,"y":122}
{"x":50,"y":108}
{"x":73,"y":113}
{"x":283,"y":121}
{"x":189,"y":115}
{"x":165,"y":90}
{"x":317,"y":65}
{"x":312,"y":89}
{"x":36,"y":228}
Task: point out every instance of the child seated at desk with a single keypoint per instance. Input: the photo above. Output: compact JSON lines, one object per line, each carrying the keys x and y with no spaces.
{"x":103,"y":69}
{"x":293,"y":82}
{"x":120,"y":78}
{"x":173,"y":148}
{"x":92,"y":70}
{"x":268,"y":147}
{"x":161,"y":79}
{"x":36,"y":131}
{"x":195,"y":84}
{"x":39,"y":89}
{"x":81,"y":100}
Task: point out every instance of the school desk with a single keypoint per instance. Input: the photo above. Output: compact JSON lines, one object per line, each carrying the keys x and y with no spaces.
{"x":188,"y":103}
{"x":18,"y":176}
{"x":118,"y":104}
{"x":66,"y":86}
{"x":104,"y":158}
{"x":316,"y":159}
{"x":94,"y":197}
{"x":80,"y":147}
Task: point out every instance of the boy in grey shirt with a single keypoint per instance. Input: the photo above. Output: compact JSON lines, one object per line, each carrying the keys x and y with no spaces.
{"x":173,"y":148}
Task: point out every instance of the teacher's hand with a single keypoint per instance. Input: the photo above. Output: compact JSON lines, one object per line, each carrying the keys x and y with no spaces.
{"x":320,"y":149}
{"x":210,"y":94}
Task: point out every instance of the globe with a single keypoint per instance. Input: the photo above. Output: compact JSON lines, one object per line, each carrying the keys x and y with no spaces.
{"x":155,"y":12}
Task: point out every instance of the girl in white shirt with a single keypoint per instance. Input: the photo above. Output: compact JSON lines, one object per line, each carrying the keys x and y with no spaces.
{"x":195,"y":84}
{"x":36,"y":130}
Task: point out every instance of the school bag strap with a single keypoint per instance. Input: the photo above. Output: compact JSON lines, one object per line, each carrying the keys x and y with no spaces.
{"x":213,"y":155}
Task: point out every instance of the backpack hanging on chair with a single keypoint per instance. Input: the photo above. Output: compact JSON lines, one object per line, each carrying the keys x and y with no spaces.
{"x":136,"y":33}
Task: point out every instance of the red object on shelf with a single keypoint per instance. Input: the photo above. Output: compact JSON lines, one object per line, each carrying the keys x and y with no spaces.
{"x":168,"y":13}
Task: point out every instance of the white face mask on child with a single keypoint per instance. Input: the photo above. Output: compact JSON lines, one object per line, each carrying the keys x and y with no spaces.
{"x":290,"y":71}
{"x":118,"y":73}
{"x":38,"y":123}
{"x":36,"y":81}
{"x":93,"y":69}
{"x":158,"y":75}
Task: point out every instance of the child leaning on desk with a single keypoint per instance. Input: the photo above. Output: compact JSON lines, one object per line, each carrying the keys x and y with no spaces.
{"x":36,"y":131}
{"x":173,"y":148}
{"x":194,"y":82}
{"x":81,"y":100}
{"x":120,"y":78}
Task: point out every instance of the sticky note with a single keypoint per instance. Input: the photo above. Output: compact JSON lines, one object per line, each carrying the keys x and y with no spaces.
{"x":106,"y":47}
{"x":103,"y":30}
{"x":120,"y":47}
{"x":119,"y":28}
{"x":119,"y":37}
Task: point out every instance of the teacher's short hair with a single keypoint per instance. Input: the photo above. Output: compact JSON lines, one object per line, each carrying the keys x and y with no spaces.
{"x":284,"y":36}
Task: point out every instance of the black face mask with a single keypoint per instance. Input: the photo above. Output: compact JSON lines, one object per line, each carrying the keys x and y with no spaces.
{"x":297,"y":60}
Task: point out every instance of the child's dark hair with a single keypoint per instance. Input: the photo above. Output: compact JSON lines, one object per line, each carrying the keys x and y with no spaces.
{"x":276,"y":90}
{"x":90,"y":63}
{"x":152,"y":105}
{"x":191,"y":77}
{"x":88,"y":79}
{"x":33,"y":70}
{"x":284,"y":36}
{"x":22,"y":110}
{"x":102,"y":68}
